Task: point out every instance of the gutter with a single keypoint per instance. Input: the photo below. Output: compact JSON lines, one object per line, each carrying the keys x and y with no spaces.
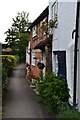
{"x":75,"y":55}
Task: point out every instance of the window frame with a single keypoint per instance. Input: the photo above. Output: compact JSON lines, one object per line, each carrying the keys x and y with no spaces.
{"x":55,"y":11}
{"x":34,"y":31}
{"x":33,"y":60}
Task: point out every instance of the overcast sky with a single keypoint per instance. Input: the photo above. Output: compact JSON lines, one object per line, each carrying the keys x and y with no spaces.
{"x":9,"y":9}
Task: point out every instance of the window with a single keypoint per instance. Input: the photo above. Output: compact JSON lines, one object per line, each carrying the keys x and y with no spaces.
{"x":60,"y":63}
{"x":33,"y":60}
{"x":34,"y":31}
{"x":55,"y":64}
{"x":44,"y":26}
{"x":55,"y":10}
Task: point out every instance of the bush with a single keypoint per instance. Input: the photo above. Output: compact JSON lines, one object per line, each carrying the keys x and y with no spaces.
{"x":4,"y":76}
{"x":54,"y":92}
{"x":17,"y":59}
{"x":0,"y":72}
{"x":69,"y":113}
{"x":8,"y":64}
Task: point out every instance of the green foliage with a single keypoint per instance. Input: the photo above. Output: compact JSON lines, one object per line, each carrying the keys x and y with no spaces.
{"x":8,"y":64}
{"x":4,"y":75}
{"x":17,"y":36}
{"x":17,"y":59}
{"x":69,"y":113}
{"x":54,"y":92}
{"x":0,"y":72}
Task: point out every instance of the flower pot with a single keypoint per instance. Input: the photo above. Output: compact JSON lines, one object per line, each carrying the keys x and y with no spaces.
{"x":40,"y":65}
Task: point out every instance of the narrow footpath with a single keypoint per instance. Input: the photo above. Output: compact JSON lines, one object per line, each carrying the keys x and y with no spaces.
{"x":21,"y":101}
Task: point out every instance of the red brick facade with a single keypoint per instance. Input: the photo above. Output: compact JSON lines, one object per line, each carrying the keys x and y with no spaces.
{"x":38,"y":40}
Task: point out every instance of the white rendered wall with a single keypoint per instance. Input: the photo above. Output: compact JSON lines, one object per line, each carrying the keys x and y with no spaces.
{"x":62,"y":35}
{"x":62,"y":38}
{"x":70,"y":69}
{"x":78,"y":67}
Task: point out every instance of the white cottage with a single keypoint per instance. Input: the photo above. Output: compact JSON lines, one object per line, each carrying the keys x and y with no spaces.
{"x":77,"y":59}
{"x":63,"y":45}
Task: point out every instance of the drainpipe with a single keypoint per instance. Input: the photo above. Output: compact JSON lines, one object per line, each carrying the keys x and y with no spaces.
{"x":75,"y":56}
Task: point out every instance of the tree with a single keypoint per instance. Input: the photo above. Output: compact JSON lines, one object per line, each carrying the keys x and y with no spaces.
{"x":17,"y":36}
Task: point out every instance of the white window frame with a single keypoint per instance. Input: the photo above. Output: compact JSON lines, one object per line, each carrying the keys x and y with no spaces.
{"x":55,"y":64}
{"x":55,"y":11}
{"x":34,"y":31}
{"x":33,"y":60}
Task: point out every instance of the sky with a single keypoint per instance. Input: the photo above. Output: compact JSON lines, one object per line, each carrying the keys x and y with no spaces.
{"x":10,"y":8}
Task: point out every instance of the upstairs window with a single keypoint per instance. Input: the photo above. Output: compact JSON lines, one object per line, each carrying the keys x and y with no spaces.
{"x":55,"y":11}
{"x":34,"y":31}
{"x":43,"y":25}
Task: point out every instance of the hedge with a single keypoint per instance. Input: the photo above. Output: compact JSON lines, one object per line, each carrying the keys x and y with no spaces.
{"x":8,"y":64}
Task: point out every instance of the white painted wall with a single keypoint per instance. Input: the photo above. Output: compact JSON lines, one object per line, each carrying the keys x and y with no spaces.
{"x":78,"y":67}
{"x":62,"y":38}
{"x":70,"y":69}
{"x":62,"y":35}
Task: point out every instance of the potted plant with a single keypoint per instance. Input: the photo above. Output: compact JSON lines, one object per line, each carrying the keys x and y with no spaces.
{"x":40,"y":65}
{"x":27,"y":64}
{"x":53,"y":23}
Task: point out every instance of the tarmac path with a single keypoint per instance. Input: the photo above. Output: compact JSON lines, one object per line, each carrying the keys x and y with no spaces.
{"x":21,"y":101}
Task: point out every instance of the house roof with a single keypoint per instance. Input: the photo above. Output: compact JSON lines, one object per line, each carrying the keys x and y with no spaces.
{"x":40,"y":17}
{"x":7,"y":50}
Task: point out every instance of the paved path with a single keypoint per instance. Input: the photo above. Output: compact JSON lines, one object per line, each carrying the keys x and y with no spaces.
{"x":21,"y":101}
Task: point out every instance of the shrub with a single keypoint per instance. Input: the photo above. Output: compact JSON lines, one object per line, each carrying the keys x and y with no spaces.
{"x":4,"y":76}
{"x":8,"y":64}
{"x":54,"y":91}
{"x":69,"y":113}
{"x":17,"y":59}
{"x":0,"y":72}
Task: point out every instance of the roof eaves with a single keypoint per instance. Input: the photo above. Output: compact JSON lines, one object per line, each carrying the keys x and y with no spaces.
{"x":40,"y":17}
